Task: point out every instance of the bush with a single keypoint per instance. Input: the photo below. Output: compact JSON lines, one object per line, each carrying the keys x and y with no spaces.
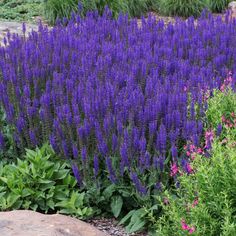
{"x":120,"y":100}
{"x":58,"y":9}
{"x":218,"y":5}
{"x":221,"y":108}
{"x":137,"y":7}
{"x":184,"y":8}
{"x":43,"y":183}
{"x":205,"y":203}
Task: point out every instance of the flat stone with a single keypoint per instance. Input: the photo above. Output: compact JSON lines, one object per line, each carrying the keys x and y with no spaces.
{"x":232,"y":5}
{"x":30,"y":223}
{"x":14,"y":27}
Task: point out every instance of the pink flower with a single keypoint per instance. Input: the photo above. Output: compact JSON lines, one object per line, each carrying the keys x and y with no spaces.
{"x":166,"y":201}
{"x":209,"y":136}
{"x":174,"y":169}
{"x":199,"y":151}
{"x":184,"y":225}
{"x":187,"y":227}
{"x":195,"y":202}
{"x":191,"y":230}
{"x":189,"y":168}
{"x":188,"y":153}
{"x":223,"y":119}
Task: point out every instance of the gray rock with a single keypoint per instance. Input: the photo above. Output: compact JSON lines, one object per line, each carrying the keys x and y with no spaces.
{"x":232,"y":5}
{"x":14,"y":27}
{"x":30,"y":223}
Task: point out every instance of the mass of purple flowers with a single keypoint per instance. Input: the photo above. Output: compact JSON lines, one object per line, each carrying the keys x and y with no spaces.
{"x":115,"y":98}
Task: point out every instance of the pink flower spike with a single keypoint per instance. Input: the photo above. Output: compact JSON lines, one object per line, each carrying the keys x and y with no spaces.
{"x":195,"y":203}
{"x":223,"y":118}
{"x":188,"y":153}
{"x":189,"y":168}
{"x":184,"y":225}
{"x":199,"y":150}
{"x":166,"y":201}
{"x":191,"y":230}
{"x":174,"y":169}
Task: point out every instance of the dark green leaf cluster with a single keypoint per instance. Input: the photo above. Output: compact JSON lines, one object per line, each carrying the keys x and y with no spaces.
{"x":43,"y":183}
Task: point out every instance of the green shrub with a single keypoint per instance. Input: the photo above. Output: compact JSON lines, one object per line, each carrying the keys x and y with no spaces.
{"x":58,"y":9}
{"x":153,"y":5}
{"x":21,"y":10}
{"x":218,"y":5}
{"x":116,"y":6}
{"x":206,"y":200}
{"x":41,"y":182}
{"x":137,"y":7}
{"x":222,"y":104}
{"x":184,"y":8}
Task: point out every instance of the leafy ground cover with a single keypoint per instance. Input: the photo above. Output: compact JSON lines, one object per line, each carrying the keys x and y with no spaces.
{"x":21,"y":10}
{"x":125,"y":106}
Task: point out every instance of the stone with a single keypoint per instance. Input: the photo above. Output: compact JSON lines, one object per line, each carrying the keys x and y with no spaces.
{"x":14,"y":27}
{"x":232,"y":5}
{"x":30,"y":223}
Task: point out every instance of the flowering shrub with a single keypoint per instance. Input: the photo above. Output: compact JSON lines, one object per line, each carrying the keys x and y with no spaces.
{"x":119,"y":100}
{"x":205,"y":202}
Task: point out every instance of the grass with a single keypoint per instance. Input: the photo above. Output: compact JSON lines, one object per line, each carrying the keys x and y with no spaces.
{"x":21,"y":10}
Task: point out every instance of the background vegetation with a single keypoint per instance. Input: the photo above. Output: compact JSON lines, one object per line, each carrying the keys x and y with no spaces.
{"x":51,"y":10}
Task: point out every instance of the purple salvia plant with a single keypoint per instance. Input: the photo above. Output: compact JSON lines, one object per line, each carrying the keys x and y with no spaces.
{"x":115,"y":89}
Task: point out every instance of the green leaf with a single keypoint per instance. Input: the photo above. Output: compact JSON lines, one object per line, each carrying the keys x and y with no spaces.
{"x":107,"y":193}
{"x":116,"y":205}
{"x":126,"y":217}
{"x":135,"y":226}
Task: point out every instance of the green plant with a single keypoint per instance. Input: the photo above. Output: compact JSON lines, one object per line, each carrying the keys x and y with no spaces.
{"x":7,"y":148}
{"x":58,"y":9}
{"x":222,"y":104}
{"x":184,"y":8}
{"x":116,"y":6}
{"x":137,"y":7}
{"x":41,"y":182}
{"x":21,"y":10}
{"x":205,"y":203}
{"x":218,"y":5}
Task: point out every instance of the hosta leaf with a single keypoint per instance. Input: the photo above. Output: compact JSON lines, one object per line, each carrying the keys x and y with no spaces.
{"x":116,"y":205}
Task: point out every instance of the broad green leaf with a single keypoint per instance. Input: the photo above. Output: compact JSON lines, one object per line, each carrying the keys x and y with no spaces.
{"x":126,"y":217}
{"x":135,"y":226}
{"x":116,"y":205}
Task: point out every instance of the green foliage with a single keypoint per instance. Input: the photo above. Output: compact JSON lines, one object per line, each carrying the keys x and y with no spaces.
{"x":122,"y":202}
{"x":21,"y":10}
{"x":137,"y":7}
{"x":41,"y":182}
{"x":206,"y":200}
{"x":218,"y":5}
{"x":9,"y":151}
{"x":184,"y":8}
{"x":63,"y":8}
{"x":219,"y":105}
{"x":55,"y":9}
